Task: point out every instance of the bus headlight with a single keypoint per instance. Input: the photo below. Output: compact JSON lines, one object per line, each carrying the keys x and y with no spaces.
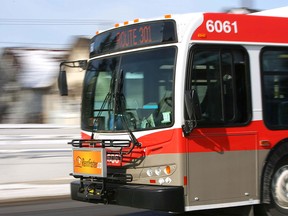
{"x":161,"y":181}
{"x":149,"y":172}
{"x":168,"y":180}
{"x":158,"y":171}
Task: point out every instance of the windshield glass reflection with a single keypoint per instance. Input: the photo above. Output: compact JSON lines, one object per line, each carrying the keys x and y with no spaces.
{"x":129,"y":92}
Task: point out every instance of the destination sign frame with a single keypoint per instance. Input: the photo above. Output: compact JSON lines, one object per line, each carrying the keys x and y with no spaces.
{"x":134,"y":36}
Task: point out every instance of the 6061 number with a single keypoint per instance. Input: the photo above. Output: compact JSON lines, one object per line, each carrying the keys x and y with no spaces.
{"x":221,"y":26}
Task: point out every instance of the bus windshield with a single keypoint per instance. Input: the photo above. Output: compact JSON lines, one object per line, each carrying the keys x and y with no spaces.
{"x":130,"y":91}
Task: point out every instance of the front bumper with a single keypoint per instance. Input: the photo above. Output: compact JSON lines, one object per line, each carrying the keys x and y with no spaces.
{"x":160,"y":198}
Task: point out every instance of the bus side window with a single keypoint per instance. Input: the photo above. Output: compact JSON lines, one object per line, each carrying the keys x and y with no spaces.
{"x":274,"y":71}
{"x":212,"y":112}
{"x":220,"y":76}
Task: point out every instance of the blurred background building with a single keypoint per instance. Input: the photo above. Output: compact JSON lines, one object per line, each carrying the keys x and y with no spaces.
{"x":28,"y":85}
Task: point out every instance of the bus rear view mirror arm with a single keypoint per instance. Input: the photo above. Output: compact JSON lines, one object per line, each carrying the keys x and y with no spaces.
{"x":193,"y":111}
{"x":62,"y":77}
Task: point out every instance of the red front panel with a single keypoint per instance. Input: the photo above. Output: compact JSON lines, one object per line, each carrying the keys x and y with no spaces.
{"x":242,"y":28}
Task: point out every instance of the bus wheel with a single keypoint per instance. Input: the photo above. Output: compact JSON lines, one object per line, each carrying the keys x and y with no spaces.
{"x":278,"y":191}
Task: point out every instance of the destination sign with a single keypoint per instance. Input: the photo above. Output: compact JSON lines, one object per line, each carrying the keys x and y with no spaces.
{"x":134,"y":36}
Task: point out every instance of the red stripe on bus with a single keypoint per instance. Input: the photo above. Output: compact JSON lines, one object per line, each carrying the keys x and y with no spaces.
{"x":244,"y":138}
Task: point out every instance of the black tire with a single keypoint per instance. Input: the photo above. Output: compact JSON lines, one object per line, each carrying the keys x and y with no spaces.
{"x":278,"y":192}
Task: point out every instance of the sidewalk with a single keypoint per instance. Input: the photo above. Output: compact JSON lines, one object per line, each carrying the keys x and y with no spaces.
{"x":35,"y":161}
{"x":25,"y":191}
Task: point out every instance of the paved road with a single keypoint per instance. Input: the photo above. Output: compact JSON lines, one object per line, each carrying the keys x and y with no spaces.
{"x":67,"y":207}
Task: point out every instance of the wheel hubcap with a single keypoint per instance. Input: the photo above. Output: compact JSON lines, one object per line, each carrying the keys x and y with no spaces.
{"x":280,"y":187}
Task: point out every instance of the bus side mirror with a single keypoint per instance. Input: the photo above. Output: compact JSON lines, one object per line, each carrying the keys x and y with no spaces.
{"x":62,"y":83}
{"x":62,"y":79}
{"x":193,"y":110}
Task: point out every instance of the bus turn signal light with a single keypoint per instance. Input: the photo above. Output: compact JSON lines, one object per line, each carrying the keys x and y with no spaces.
{"x":167,"y":170}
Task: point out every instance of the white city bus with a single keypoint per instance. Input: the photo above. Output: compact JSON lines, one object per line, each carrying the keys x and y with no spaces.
{"x":186,"y":112}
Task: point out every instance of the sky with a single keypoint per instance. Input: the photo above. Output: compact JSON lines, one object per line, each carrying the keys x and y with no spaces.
{"x":55,"y":23}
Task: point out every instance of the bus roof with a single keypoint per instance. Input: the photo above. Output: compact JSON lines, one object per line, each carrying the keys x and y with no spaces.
{"x":278,"y":12}
{"x":266,"y":27}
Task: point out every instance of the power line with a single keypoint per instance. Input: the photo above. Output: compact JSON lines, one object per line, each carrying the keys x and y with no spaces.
{"x":8,"y":21}
{"x":13,"y":42}
{"x":32,"y":44}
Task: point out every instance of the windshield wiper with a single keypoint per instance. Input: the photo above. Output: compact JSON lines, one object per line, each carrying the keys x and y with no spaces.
{"x":119,"y":98}
{"x":119,"y":107}
{"x":108,"y":99}
{"x":116,"y":84}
